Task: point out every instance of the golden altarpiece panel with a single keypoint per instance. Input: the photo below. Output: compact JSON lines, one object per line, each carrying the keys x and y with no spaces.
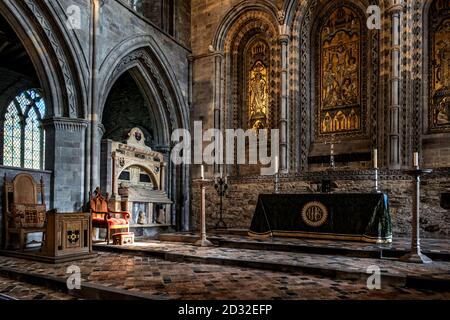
{"x":339,"y":80}
{"x":258,"y":77}
{"x":440,"y":66}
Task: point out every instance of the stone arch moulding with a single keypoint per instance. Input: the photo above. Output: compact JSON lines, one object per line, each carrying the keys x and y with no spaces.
{"x":229,"y":22}
{"x":143,"y":56}
{"x":151,"y":65}
{"x":48,"y":50}
{"x":244,"y":22}
{"x":130,"y":164}
{"x":236,"y":48}
{"x":302,"y":82}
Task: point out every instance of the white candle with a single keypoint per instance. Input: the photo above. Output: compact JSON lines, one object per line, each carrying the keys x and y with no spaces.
{"x":375,"y":158}
{"x":203,"y":172}
{"x":416,"y":159}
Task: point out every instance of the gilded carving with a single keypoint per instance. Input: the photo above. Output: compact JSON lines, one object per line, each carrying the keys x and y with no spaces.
{"x":340,"y":42}
{"x":258,"y":96}
{"x":440,"y":87}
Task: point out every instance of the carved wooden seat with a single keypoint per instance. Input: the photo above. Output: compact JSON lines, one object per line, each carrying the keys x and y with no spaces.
{"x":23,"y":214}
{"x":104,"y":218}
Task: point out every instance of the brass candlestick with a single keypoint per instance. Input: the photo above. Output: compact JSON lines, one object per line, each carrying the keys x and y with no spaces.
{"x":416,"y":256}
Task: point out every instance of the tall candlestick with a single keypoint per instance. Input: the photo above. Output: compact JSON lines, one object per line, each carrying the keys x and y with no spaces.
{"x":203,"y":172}
{"x":416,"y":159}
{"x":276,"y":165}
{"x":375,"y":158}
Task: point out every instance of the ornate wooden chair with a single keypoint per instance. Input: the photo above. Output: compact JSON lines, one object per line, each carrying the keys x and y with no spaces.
{"x":104,"y":218}
{"x":23,"y":214}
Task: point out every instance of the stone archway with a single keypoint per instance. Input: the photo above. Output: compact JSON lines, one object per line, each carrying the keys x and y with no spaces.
{"x":167,"y":111}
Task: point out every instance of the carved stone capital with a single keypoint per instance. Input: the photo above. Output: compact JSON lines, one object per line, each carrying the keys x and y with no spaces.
{"x":65,"y":124}
{"x":283,"y":38}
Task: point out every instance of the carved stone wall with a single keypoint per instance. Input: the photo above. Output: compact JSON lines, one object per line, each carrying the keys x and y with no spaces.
{"x":386,"y":124}
{"x":241,"y":199}
{"x":76,"y":74}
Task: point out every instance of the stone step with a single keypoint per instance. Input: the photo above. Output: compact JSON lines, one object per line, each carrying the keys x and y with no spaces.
{"x":268,"y":245}
{"x":332,"y":272}
{"x":88,"y":291}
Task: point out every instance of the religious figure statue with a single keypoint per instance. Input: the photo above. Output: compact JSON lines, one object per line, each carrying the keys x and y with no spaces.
{"x":443,"y":112}
{"x":330,"y":89}
{"x":141,"y":218}
{"x":258,"y":96}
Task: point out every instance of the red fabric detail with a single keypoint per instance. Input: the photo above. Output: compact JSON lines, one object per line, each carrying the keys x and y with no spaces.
{"x":117,"y":222}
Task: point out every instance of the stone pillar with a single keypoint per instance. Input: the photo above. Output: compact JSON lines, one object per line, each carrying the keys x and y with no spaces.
{"x":394,"y":161}
{"x":65,"y":150}
{"x":218,"y":58}
{"x":163,"y":176}
{"x":284,"y":41}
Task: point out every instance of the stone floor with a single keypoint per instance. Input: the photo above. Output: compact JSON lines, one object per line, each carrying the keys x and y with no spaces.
{"x":25,"y":291}
{"x":194,"y":281}
{"x":437,"y":270}
{"x":400,"y":244}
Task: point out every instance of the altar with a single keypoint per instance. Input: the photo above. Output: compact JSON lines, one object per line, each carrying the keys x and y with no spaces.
{"x":358,"y":217}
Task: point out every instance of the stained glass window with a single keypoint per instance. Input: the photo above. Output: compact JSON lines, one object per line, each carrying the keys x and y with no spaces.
{"x":23,"y":143}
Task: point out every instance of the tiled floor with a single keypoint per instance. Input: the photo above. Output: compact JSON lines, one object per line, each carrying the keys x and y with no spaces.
{"x":401,"y":244}
{"x":24,"y":291}
{"x":437,"y":270}
{"x":194,"y":281}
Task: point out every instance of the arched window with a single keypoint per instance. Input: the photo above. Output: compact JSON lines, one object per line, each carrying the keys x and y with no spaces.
{"x":23,"y":140}
{"x":440,"y":66}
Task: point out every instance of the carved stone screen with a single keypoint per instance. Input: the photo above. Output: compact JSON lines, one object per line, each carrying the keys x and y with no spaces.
{"x":340,"y":81}
{"x":440,"y":66}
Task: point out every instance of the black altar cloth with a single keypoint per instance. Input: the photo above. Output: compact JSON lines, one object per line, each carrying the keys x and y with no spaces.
{"x":358,"y":217}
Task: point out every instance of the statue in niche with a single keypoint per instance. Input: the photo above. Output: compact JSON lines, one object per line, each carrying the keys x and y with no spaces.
{"x":258,"y":96}
{"x":141,"y":218}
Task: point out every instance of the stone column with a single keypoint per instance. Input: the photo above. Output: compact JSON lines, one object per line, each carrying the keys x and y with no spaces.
{"x":65,"y":150}
{"x":394,"y":161}
{"x":218,"y":58}
{"x":284,"y":41}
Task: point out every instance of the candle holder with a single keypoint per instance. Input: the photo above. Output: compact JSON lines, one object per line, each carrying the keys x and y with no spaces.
{"x":276,"y":184}
{"x":376,"y":188}
{"x":416,"y":256}
{"x":203,"y":241}
{"x":221,"y":186}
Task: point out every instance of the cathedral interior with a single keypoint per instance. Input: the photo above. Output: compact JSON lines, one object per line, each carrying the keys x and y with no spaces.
{"x":352,"y":97}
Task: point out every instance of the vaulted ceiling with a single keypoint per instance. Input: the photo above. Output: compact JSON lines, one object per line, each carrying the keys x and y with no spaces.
{"x":13,"y":55}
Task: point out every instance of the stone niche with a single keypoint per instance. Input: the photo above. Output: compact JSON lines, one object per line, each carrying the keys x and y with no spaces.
{"x":135,"y":177}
